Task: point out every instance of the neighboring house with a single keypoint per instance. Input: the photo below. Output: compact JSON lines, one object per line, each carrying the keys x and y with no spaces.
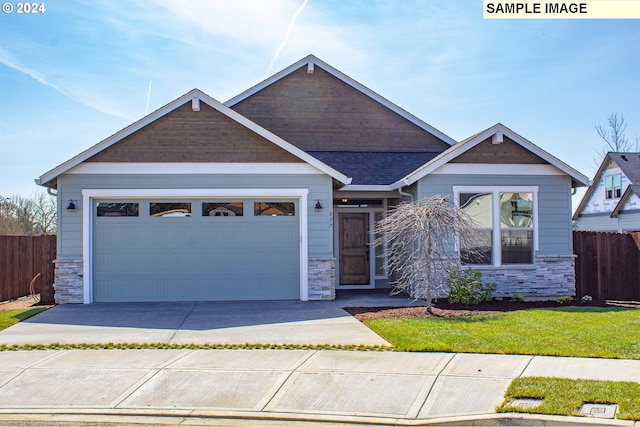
{"x":612,"y":203}
{"x":274,"y":195}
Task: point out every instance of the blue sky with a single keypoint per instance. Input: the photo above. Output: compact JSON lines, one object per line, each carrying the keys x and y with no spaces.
{"x":79,"y":72}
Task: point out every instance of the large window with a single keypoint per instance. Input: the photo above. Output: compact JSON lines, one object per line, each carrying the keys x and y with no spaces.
{"x":505,"y":222}
{"x":613,"y":186}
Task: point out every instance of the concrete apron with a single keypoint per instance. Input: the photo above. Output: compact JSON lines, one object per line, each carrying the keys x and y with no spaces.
{"x":269,"y":322}
{"x":248,"y":387}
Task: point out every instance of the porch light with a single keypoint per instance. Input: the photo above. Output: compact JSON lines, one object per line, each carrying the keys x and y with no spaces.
{"x":318,"y":206}
{"x":71,"y":207}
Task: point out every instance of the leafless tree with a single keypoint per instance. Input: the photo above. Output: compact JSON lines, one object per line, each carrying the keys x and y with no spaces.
{"x":34,"y":215}
{"x":613,"y":134}
{"x":419,"y":240}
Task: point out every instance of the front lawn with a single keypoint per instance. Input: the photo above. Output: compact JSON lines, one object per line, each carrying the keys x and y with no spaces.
{"x":609,"y":332}
{"x":11,"y":317}
{"x":565,"y":397}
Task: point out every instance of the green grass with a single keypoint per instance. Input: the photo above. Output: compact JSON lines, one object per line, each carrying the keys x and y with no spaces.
{"x":565,"y":397}
{"x":607,"y":332}
{"x":11,"y":317}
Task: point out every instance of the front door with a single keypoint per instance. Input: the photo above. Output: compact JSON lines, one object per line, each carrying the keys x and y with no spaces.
{"x":354,"y":248}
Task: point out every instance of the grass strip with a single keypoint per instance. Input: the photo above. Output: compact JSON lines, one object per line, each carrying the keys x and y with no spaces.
{"x":11,"y":317}
{"x":169,"y":346}
{"x":565,"y":396}
{"x":604,"y":332}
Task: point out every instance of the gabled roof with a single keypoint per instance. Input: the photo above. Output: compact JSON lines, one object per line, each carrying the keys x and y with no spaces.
{"x":623,"y":199}
{"x":629,"y":164}
{"x":311,"y":62}
{"x":578,"y":179}
{"x":47,"y":178}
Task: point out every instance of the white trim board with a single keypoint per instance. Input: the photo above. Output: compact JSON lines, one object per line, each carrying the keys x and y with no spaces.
{"x":95,"y":168}
{"x":89,"y":196}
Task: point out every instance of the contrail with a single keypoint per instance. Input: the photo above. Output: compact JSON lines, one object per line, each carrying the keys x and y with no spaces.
{"x":40,"y":79}
{"x":286,"y":37}
{"x":146,"y":111}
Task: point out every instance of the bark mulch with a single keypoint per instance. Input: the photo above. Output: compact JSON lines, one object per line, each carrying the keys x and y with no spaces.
{"x":444,"y":309}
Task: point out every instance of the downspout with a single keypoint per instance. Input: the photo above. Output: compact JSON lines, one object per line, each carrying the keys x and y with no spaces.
{"x":409,"y":195}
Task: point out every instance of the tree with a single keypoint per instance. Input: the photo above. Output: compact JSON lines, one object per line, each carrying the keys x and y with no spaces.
{"x":418,"y":240}
{"x":613,"y":134}
{"x":29,"y":216}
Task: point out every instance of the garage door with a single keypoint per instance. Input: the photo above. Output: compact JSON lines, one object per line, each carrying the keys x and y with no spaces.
{"x":196,"y":250}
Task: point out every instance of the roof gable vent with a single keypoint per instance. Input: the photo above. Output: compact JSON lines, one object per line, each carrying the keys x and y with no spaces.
{"x":497,"y":138}
{"x":195,"y":103}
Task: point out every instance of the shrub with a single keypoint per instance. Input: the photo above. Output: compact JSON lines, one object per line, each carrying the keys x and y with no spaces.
{"x":565,"y":300}
{"x":518,"y":297}
{"x":586,"y":298}
{"x":466,"y":287}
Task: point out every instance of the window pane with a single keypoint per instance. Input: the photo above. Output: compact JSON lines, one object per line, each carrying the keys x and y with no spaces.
{"x":174,"y":209}
{"x":617,"y":180}
{"x":608,"y":181}
{"x":478,"y":207}
{"x":481,"y":253}
{"x":516,"y":210}
{"x":379,"y":249}
{"x":274,"y":209}
{"x":118,"y":209}
{"x":517,"y":246}
{"x":223,"y":209}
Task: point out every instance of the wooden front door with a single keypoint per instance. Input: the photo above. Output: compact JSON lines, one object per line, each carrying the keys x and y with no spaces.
{"x":354,"y":248}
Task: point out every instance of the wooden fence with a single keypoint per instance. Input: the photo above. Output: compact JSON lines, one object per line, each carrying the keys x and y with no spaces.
{"x":21,"y":259}
{"x":607,"y":265}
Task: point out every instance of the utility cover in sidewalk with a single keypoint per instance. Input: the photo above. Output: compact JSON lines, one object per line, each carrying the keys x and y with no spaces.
{"x":526,"y":403}
{"x":599,"y":410}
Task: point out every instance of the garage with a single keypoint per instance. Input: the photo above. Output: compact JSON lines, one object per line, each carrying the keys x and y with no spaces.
{"x":158,"y":248}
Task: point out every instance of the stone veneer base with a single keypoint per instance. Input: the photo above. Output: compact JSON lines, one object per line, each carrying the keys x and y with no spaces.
{"x":68,"y":283}
{"x":551,"y":277}
{"x":322,"y":279}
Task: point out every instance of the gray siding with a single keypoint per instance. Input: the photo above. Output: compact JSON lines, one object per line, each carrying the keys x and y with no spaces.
{"x":604,"y":222}
{"x":554,"y":203}
{"x":70,"y":186}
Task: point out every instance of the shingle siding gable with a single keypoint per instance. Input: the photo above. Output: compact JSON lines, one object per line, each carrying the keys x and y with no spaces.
{"x":184,"y":135}
{"x":507,"y":152}
{"x":320,"y":112}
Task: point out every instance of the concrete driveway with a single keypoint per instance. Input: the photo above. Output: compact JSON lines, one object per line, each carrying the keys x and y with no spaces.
{"x":265,"y":322}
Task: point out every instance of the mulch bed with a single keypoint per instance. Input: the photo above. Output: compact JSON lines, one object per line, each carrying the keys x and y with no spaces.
{"x":442,"y":308}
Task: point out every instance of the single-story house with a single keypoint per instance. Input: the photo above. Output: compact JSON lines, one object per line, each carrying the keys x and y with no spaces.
{"x":274,"y":194}
{"x":612,"y":203}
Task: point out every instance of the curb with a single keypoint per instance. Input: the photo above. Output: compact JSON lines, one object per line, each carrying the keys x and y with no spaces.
{"x":115,"y":417}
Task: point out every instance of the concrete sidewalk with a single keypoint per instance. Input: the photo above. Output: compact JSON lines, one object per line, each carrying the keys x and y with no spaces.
{"x":277,"y":387}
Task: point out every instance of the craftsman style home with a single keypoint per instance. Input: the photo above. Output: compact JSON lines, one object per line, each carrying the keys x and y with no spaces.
{"x":274,"y":194}
{"x":612,"y":203}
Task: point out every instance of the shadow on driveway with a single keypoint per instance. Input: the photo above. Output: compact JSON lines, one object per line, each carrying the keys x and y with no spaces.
{"x":253,"y":322}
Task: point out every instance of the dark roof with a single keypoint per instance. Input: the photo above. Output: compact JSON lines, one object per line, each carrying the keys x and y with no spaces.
{"x":629,"y":163}
{"x":374,"y":167}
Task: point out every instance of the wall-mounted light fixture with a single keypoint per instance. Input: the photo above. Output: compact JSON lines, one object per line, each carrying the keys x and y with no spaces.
{"x":71,"y":207}
{"x":318,"y":206}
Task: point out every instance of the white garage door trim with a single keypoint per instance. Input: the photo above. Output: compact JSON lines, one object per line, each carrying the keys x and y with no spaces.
{"x":90,"y":195}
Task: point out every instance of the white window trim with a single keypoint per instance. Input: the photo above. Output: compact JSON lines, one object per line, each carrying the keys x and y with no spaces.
{"x":89,"y":196}
{"x":495,"y":191}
